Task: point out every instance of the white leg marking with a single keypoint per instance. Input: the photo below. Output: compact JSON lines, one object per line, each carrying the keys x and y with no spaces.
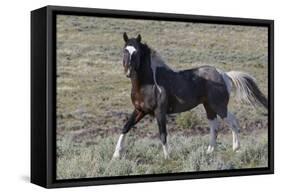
{"x":235,"y":143}
{"x":234,"y":126}
{"x":119,"y":146}
{"x":165,"y":150}
{"x":213,"y":127}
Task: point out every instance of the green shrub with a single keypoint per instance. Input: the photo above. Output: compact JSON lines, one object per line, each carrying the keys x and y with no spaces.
{"x":187,"y":119}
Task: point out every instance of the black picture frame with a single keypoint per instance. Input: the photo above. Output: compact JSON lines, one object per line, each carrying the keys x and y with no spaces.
{"x":43,"y":95}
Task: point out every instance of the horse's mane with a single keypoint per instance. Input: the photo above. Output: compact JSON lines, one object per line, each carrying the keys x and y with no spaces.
{"x":156,"y":58}
{"x":156,"y":61}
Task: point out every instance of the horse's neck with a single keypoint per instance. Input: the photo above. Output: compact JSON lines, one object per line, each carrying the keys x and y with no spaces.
{"x":144,"y":76}
{"x":141,"y":78}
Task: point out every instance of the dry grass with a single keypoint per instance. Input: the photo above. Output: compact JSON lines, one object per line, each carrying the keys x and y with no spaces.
{"x":93,"y":96}
{"x":93,"y":158}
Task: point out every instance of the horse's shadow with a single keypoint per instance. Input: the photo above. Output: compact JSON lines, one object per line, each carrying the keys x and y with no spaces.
{"x":25,"y":178}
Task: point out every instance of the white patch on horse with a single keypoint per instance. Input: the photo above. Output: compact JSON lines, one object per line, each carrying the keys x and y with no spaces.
{"x":119,"y":146}
{"x":227,"y":80}
{"x":213,"y":127}
{"x":130,"y":49}
{"x":165,"y":150}
{"x":157,"y":62}
{"x":234,"y":126}
{"x":235,"y":141}
{"x":128,"y":72}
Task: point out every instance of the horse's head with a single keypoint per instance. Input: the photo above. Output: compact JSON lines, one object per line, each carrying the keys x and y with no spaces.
{"x":131,"y":54}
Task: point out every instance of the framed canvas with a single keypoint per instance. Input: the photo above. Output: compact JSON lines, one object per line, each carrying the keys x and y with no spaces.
{"x":125,"y":96}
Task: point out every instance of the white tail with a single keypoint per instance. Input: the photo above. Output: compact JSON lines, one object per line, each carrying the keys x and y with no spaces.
{"x":246,"y":89}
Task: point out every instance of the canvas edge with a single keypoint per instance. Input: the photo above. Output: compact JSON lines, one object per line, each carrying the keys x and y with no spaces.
{"x":51,"y":181}
{"x":38,"y":97}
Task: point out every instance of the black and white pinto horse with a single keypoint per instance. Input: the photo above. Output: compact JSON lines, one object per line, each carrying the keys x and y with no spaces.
{"x":158,"y":90}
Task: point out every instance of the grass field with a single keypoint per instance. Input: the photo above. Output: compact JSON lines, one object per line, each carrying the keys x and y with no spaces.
{"x":93,"y":98}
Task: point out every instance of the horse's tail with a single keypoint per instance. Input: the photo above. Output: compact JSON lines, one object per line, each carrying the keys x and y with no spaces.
{"x":246,"y":88}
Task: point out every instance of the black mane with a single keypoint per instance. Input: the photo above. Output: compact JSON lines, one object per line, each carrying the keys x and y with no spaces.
{"x":145,"y":74}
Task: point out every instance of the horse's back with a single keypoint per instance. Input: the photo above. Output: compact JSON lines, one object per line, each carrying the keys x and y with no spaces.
{"x":188,"y":88}
{"x":209,"y":73}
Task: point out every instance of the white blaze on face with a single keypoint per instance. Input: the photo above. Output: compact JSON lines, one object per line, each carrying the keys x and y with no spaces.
{"x":131,"y":50}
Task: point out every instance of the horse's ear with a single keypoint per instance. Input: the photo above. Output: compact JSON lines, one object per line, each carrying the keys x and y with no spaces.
{"x":125,"y":37}
{"x":139,"y":38}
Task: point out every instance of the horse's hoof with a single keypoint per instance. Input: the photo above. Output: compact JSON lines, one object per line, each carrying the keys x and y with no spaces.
{"x":116,"y":155}
{"x":167,"y":157}
{"x":210,"y":149}
{"x":115,"y":158}
{"x":236,"y":148}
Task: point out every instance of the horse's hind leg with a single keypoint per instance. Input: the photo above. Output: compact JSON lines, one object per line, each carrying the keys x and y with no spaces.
{"x":213,"y":124}
{"x":161,"y":122}
{"x":234,"y":126}
{"x":135,"y":117}
{"x":160,"y":115}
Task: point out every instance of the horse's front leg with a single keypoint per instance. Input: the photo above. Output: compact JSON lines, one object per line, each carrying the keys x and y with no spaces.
{"x":135,"y":117}
{"x":213,"y":123}
{"x":161,"y":121}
